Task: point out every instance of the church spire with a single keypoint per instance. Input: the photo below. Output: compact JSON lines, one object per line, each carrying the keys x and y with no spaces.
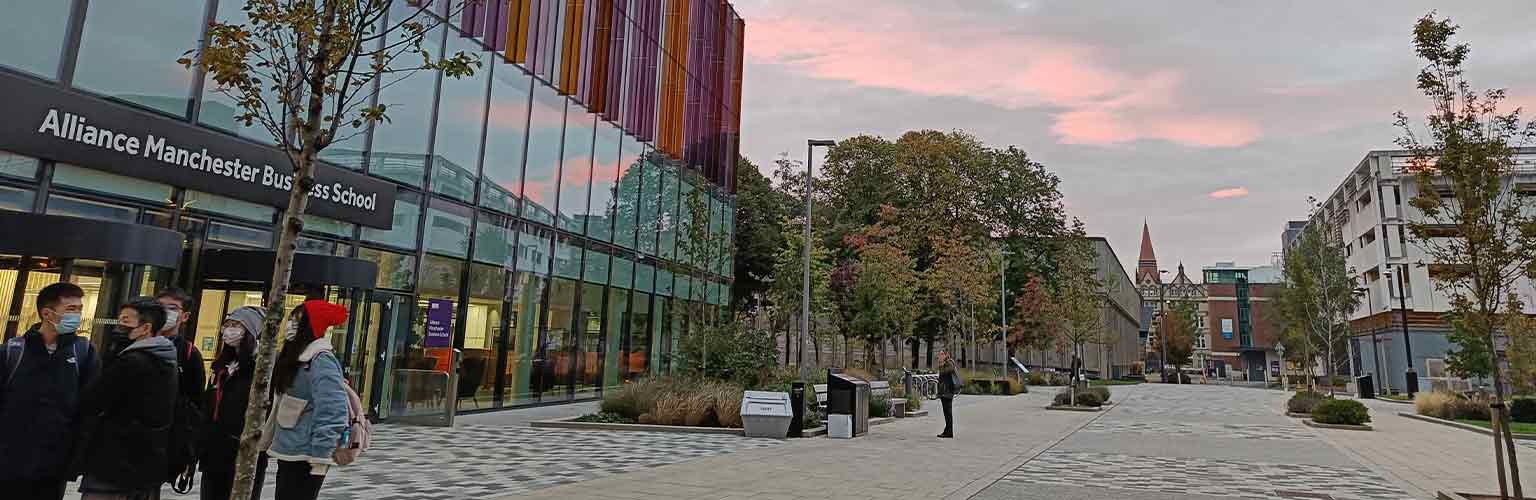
{"x":1146,"y":265}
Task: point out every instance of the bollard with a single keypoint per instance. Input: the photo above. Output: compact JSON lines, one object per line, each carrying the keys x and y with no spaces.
{"x":797,"y":407}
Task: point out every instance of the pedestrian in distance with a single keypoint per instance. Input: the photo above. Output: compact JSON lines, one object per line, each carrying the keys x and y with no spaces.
{"x":226,"y":400}
{"x":126,"y":413}
{"x":310,"y":412}
{"x":949,"y":385}
{"x":42,"y":376}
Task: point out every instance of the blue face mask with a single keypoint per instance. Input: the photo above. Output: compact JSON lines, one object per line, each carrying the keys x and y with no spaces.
{"x":69,"y":323}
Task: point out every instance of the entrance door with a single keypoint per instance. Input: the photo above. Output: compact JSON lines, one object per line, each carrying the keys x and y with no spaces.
{"x":382,"y":319}
{"x":106,"y":285}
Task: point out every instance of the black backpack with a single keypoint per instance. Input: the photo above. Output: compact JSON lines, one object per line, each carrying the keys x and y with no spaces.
{"x":185,"y":444}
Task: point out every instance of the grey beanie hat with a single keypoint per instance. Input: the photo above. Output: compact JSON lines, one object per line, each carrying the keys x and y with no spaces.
{"x":249,"y":317}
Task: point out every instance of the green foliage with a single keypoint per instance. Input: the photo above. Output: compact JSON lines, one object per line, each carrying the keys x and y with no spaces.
{"x":1438,"y":404}
{"x":1180,"y":330}
{"x":1523,"y":410}
{"x":1340,"y":411}
{"x":1319,"y":292}
{"x":605,"y":418}
{"x":675,"y":400}
{"x":760,"y":211}
{"x":1472,"y":408}
{"x":914,"y":402}
{"x":1035,"y":378}
{"x":1084,"y":398}
{"x":879,"y":407}
{"x":729,"y":351}
{"x":1304,"y":401}
{"x":1100,"y":391}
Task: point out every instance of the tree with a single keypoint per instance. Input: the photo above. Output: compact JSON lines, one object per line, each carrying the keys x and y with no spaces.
{"x":760,"y":213}
{"x":961,"y":277}
{"x":1319,"y":291}
{"x":884,"y":294}
{"x":1179,"y":328}
{"x":306,"y":72}
{"x":1080,"y":298}
{"x":1521,"y":349}
{"x":1478,"y":228}
{"x":787,"y":287}
{"x":1036,"y":318}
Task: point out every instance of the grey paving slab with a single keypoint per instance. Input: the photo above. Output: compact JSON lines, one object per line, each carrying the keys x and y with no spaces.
{"x":1015,"y":490}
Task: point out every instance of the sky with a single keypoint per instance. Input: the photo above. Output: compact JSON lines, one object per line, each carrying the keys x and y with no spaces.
{"x":1212,"y":121}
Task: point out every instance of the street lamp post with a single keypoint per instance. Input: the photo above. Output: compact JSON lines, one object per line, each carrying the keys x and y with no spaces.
{"x":1411,"y":378}
{"x":1280,"y":351}
{"x":805,"y":291}
{"x":1370,"y":309}
{"x":1162,"y":326}
{"x":1003,"y":294}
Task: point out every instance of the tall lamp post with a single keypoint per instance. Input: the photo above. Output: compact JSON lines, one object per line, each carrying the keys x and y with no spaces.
{"x":1162,"y":323}
{"x":1280,"y":351}
{"x":1003,"y":359}
{"x":805,"y":245}
{"x":1411,"y":378}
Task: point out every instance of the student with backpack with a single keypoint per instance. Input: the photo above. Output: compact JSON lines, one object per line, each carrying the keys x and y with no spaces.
{"x":126,"y":413}
{"x":183,"y":448}
{"x":311,"y":415}
{"x":41,"y":379}
{"x":226,"y":400}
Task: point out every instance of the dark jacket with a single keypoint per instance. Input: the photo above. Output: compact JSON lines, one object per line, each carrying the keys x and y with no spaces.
{"x":189,"y":361}
{"x":39,"y":404}
{"x":947,"y":385}
{"x":127,"y":415}
{"x":225,"y":403}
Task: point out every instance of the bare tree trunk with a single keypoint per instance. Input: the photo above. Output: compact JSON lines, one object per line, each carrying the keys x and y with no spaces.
{"x":1501,"y":418}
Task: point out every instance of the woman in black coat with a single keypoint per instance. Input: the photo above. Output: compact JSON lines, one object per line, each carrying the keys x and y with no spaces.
{"x":948,"y":387}
{"x":226,"y":399}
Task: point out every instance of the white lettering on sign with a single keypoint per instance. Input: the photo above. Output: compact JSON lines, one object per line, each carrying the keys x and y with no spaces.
{"x":75,"y":128}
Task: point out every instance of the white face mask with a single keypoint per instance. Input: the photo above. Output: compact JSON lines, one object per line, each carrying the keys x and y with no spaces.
{"x":232,"y":335}
{"x":170,"y":320}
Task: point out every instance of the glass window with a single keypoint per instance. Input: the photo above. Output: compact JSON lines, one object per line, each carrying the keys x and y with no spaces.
{"x":32,"y":36}
{"x":523,"y":322}
{"x":18,"y":166}
{"x":595,"y":267}
{"x":212,"y":203}
{"x":637,"y":339}
{"x":438,"y":288}
{"x":664,"y":283}
{"x":460,"y":115}
{"x":396,"y":270}
{"x":605,"y":171}
{"x":440,"y":276}
{"x":239,"y":235}
{"x":576,"y":168}
{"x":623,"y":273}
{"x":558,"y":341}
{"x":506,"y":131}
{"x":533,"y":250}
{"x":19,"y":200}
{"x":129,"y":52}
{"x":95,"y":180}
{"x":545,"y":131}
{"x":322,"y":225}
{"x":684,"y":288}
{"x":645,"y":277}
{"x":650,"y":203}
{"x":482,"y":336}
{"x":403,"y":231}
{"x":64,"y":205}
{"x":494,"y":235}
{"x":614,"y":329}
{"x":667,"y":218}
{"x":400,"y":144}
{"x":689,"y":214}
{"x":448,"y":228}
{"x":628,"y":207}
{"x":319,"y":246}
{"x":567,"y":258}
{"x":590,"y":351}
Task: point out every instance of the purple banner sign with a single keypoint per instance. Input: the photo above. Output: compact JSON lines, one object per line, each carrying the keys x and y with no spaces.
{"x":439,"y":323}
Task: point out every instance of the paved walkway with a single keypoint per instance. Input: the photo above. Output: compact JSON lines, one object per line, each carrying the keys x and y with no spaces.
{"x":1426,"y":457}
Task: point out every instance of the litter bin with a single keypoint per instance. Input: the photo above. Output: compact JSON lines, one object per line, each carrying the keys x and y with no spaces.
{"x":1366,"y":387}
{"x":765,"y":414}
{"x":847,"y":398}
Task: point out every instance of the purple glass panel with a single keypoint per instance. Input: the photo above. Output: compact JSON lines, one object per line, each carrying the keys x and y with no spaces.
{"x":496,"y":24}
{"x":470,"y":24}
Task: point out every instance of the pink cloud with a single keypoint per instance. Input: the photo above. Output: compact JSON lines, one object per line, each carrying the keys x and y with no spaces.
{"x":895,"y":47}
{"x":1222,"y":194}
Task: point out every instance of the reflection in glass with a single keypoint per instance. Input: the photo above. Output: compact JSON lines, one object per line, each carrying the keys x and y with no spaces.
{"x":129,"y":52}
{"x":400,"y":144}
{"x":448,"y":228}
{"x":545,"y":132}
{"x":627,"y":208}
{"x":667,"y":218}
{"x":102,"y":182}
{"x":567,"y":258}
{"x":533,"y":249}
{"x":482,"y":336}
{"x":212,"y":203}
{"x":614,"y":329}
{"x":460,"y":114}
{"x":18,"y":166}
{"x":637,"y":340}
{"x":523,"y":323}
{"x":575,"y":168}
{"x":506,"y":130}
{"x":395,"y":270}
{"x":589,"y":369}
{"x":17,"y":200}
{"x":407,"y":217}
{"x":557,"y":343}
{"x":439,"y":291}
{"x":32,"y":36}
{"x":64,"y":205}
{"x":494,"y":239}
{"x":650,"y":204}
{"x":605,"y":172}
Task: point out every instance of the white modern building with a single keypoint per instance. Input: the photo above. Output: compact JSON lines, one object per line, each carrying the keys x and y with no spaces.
{"x":1372,"y":207}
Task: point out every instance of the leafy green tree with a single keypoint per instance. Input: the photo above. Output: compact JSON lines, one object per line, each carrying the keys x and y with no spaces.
{"x":883,"y":296}
{"x":306,"y":72}
{"x":1319,"y":291}
{"x":1036,"y":318}
{"x":788,"y":286}
{"x":1478,"y":228}
{"x":760,"y":213}
{"x":1179,"y":328}
{"x":961,"y":278}
{"x":1079,"y":298}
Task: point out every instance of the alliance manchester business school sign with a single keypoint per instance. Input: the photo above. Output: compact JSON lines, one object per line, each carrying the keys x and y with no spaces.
{"x":49,"y":122}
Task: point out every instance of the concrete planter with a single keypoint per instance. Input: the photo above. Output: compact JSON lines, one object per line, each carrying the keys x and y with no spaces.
{"x":571,"y":423}
{"x":1074,"y":408}
{"x":1307,"y":416}
{"x":1459,"y":425}
{"x":1395,"y":401}
{"x":915,"y":414}
{"x":1338,"y":426}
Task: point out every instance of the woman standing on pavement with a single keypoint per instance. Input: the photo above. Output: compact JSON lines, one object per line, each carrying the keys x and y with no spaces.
{"x":311,"y":404}
{"x":948,"y":386}
{"x":226,"y":400}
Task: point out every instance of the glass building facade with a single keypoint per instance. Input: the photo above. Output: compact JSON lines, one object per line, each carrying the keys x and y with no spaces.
{"x":570,"y":205}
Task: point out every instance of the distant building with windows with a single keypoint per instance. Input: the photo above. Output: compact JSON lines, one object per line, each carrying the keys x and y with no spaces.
{"x":1243,"y":328}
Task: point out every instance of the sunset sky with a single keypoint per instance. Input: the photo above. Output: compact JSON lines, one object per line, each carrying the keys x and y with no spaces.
{"x":1211,"y":120}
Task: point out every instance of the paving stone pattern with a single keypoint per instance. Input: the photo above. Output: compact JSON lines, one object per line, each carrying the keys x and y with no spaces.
{"x":1262,"y":454}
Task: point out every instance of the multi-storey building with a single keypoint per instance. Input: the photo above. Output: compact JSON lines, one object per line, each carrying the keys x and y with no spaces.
{"x":1244,"y":330}
{"x":1371,"y":210}
{"x":1120,"y":351}
{"x":525,"y":235}
{"x":1158,"y":297}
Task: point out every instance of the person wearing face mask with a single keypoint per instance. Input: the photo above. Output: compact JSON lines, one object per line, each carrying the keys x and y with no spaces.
{"x":177,"y":304}
{"x":184,"y":447}
{"x":127,"y":411}
{"x":42,"y":376}
{"x":310,"y":412}
{"x":226,"y":401}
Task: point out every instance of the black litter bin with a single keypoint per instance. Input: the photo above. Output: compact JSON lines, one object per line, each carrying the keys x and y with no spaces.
{"x":848,"y":395}
{"x":1365,"y":386}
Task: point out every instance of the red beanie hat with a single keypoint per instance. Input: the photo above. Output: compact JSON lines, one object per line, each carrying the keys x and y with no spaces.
{"x":323,"y":315}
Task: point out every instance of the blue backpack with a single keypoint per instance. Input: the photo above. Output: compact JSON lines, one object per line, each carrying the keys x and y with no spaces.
{"x":15,"y":349}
